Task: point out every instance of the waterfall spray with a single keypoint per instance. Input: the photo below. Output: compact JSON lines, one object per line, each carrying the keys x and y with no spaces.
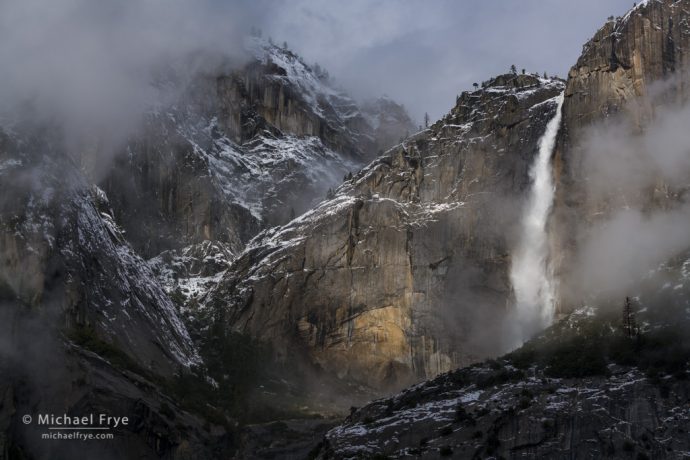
{"x":531,"y":277}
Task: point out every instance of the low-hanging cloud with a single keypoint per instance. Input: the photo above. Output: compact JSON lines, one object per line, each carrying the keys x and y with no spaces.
{"x":620,"y":252}
{"x":636,"y":170}
{"x":424,"y":53}
{"x":80,"y":59}
{"x":94,"y":64}
{"x":620,"y":158}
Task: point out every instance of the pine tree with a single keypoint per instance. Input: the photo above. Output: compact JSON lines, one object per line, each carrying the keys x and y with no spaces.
{"x":629,"y":321}
{"x":426,"y":120}
{"x":513,"y":69}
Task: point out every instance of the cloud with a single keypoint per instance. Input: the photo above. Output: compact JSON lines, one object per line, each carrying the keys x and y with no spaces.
{"x":425,"y":53}
{"x":635,"y":179}
{"x":80,"y":58}
{"x":91,"y":63}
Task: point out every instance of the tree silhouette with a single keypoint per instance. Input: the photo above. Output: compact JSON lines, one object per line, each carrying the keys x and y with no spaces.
{"x":476,"y":85}
{"x":426,"y":120}
{"x":629,"y":322}
{"x":513,"y":69}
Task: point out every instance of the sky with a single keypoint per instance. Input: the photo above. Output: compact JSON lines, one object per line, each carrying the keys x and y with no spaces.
{"x":424,"y":53}
{"x":75,"y":58}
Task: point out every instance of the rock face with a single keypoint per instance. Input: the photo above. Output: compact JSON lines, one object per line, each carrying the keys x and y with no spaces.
{"x":278,"y":89}
{"x":84,"y":325}
{"x":242,"y":150}
{"x":389,"y":120}
{"x":632,"y":72}
{"x":585,"y":387}
{"x":168,"y":191}
{"x":380,"y":283}
{"x":62,"y":254}
{"x":400,"y":274}
{"x":634,"y":67}
{"x":494,"y":410}
{"x":624,"y":59}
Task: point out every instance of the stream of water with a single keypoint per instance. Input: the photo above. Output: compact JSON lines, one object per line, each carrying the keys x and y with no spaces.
{"x":530,"y":274}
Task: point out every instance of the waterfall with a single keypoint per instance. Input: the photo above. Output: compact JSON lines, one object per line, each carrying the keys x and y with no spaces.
{"x":531,"y":277}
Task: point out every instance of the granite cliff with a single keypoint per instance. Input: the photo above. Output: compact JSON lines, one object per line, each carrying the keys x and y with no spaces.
{"x":240,"y":149}
{"x":633,"y":71}
{"x":608,"y":380}
{"x":85,"y":326}
{"x":258,"y":242}
{"x":379,"y":283}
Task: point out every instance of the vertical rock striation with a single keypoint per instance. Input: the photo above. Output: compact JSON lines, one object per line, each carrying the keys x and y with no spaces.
{"x":240,"y":150}
{"x":380,"y":284}
{"x":634,"y":66}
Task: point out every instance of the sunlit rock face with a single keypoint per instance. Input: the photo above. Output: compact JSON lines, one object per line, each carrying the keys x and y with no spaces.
{"x":634,"y":68}
{"x":403,"y":273}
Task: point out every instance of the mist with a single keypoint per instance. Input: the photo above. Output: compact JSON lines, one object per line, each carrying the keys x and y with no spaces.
{"x":96,"y":67}
{"x":635,"y":171}
{"x":423,"y":54}
{"x":94,"y":63}
{"x":531,"y":277}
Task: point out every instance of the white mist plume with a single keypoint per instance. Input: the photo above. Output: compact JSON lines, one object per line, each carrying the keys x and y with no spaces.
{"x":636,"y":180}
{"x":530,"y":275}
{"x":92,"y":66}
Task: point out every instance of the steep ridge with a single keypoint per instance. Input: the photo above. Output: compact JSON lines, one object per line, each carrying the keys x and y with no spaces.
{"x":85,"y":326}
{"x":191,"y":191}
{"x":239,"y":150}
{"x":631,"y":73}
{"x":61,"y":249}
{"x":609,"y":380}
{"x":380,"y":283}
{"x":90,"y":326}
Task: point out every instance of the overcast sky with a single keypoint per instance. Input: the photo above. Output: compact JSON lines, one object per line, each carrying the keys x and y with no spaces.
{"x":424,"y":52}
{"x":81,"y":57}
